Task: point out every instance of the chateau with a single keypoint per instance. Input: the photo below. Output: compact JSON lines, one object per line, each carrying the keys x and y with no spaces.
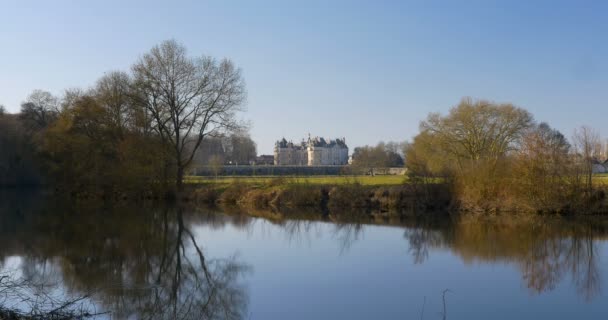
{"x":314,"y":152}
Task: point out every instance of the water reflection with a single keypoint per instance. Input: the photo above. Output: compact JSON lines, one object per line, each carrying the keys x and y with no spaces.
{"x":133,"y":262}
{"x":147,"y":261}
{"x":546,"y":250}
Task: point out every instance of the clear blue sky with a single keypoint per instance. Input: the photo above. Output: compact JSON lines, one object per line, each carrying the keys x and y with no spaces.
{"x":364,"y":70}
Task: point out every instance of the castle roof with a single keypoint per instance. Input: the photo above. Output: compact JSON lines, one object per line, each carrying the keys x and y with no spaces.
{"x":314,"y":142}
{"x":321,"y":142}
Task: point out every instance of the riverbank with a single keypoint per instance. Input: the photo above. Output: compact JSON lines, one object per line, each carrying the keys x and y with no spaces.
{"x":368,"y":180}
{"x":384,"y":194}
{"x":348,"y":194}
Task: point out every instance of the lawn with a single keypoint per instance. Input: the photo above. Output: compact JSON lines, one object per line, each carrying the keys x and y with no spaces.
{"x":600,"y":178}
{"x":380,"y":180}
{"x":383,"y":180}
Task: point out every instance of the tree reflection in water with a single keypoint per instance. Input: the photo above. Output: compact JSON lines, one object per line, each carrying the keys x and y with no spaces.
{"x":545,"y":249}
{"x":142,"y":263}
{"x":421,"y":241}
{"x":182,"y":284}
{"x":348,"y":229}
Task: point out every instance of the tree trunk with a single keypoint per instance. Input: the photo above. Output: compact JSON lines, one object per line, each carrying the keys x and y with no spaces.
{"x":179,"y":179}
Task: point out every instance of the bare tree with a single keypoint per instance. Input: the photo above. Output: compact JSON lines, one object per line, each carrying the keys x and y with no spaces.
{"x":216,"y":162}
{"x":543,"y":169}
{"x":39,"y":110}
{"x":24,"y":298}
{"x":191,"y":287}
{"x":70,"y":96}
{"x":383,"y":155}
{"x":188,"y":99}
{"x":586,"y":141}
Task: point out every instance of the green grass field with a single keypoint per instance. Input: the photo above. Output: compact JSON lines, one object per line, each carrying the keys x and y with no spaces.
{"x":313,"y":180}
{"x":601,"y":178}
{"x":381,"y":180}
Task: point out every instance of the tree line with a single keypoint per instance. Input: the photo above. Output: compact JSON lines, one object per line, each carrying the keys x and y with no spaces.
{"x":133,"y":131}
{"x":497,"y":157}
{"x":233,"y":149}
{"x":383,"y":155}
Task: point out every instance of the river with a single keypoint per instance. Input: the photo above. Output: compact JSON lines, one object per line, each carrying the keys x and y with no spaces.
{"x":155,"y":261}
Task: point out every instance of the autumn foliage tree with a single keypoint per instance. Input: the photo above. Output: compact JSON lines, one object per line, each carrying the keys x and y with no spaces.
{"x":137,"y":132}
{"x":99,"y":144}
{"x":478,"y":130}
{"x":496,"y":158}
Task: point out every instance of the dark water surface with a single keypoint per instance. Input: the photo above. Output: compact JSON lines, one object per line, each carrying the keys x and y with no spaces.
{"x":158,"y":261}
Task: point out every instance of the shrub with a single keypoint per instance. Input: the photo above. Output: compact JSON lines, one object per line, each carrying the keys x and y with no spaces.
{"x":350,"y":196}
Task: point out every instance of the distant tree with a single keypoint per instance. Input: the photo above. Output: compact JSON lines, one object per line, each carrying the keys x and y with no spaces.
{"x":236,"y":148}
{"x":369,"y":158}
{"x":394,"y":152}
{"x":241,"y":148}
{"x":404,"y":147}
{"x":216,"y":162}
{"x":210,"y":147}
{"x":2,"y":110}
{"x":188,"y":99}
{"x":383,"y":155}
{"x":70,"y":96}
{"x":39,"y":110}
{"x":393,"y":147}
{"x":394,"y":157}
{"x":17,"y":154}
{"x":586,"y":143}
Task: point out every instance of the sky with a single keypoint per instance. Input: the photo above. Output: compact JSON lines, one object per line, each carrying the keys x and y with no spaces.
{"x":368,"y":71}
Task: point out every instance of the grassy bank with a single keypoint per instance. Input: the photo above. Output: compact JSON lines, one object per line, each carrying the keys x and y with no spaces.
{"x":374,"y":193}
{"x":393,"y":194}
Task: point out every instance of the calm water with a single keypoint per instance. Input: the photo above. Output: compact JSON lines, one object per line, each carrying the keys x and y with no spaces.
{"x":166,"y":262}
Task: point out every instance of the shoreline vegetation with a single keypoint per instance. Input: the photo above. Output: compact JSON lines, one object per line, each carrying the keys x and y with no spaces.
{"x":338,"y":193}
{"x":497,"y":158}
{"x":383,"y":196}
{"x":134,"y":135}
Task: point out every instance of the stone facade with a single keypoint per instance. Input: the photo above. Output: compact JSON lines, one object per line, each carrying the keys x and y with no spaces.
{"x":314,"y":152}
{"x":290,"y":154}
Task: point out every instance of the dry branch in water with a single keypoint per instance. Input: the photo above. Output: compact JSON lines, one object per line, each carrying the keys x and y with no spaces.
{"x":22,"y":298}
